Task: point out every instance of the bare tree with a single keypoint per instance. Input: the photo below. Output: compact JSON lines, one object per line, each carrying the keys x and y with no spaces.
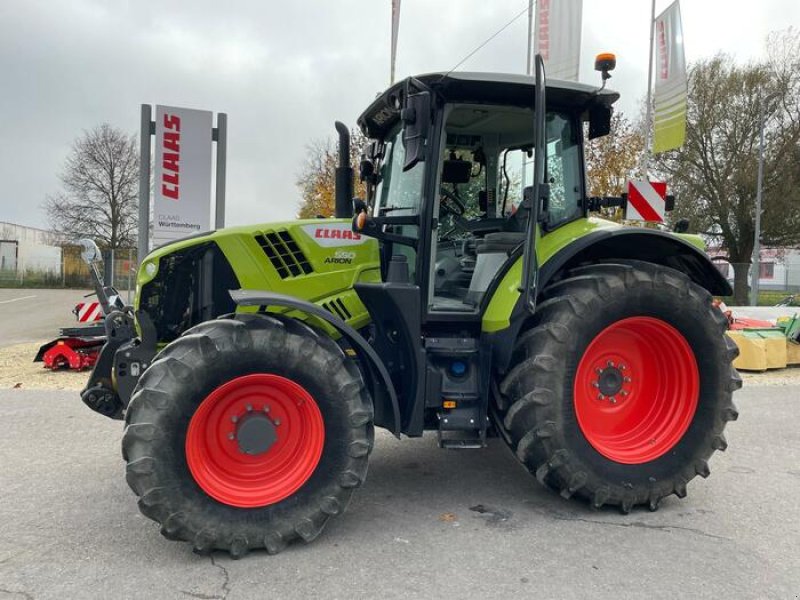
{"x":316,"y":179}
{"x":714,"y":173}
{"x":100,"y":186}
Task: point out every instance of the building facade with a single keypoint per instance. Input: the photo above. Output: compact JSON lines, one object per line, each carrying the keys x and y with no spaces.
{"x":779,"y":268}
{"x":28,"y":249}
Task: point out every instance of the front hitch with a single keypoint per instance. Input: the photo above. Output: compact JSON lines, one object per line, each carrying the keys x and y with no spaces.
{"x":121,"y":362}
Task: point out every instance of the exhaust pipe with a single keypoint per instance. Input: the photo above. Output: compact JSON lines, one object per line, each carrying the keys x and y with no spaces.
{"x":344,"y":175}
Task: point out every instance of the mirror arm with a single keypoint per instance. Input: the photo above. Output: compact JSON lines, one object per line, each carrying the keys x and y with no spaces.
{"x":371,"y":226}
{"x":540,"y":190}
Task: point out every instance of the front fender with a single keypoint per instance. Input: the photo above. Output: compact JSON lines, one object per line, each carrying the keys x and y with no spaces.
{"x":384,"y":397}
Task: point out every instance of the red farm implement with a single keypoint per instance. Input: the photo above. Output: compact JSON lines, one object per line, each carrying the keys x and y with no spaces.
{"x":78,"y":348}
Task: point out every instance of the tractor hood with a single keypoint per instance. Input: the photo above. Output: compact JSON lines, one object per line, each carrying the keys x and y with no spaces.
{"x":319,"y":260}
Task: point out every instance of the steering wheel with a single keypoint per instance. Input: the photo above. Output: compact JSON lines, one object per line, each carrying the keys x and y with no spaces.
{"x":453,"y":205}
{"x":453,"y":198}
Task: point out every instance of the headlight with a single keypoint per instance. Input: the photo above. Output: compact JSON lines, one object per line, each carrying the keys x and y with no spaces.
{"x":148,"y":271}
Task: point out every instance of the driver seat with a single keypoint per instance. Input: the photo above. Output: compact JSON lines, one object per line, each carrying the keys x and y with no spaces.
{"x":492,"y":253}
{"x":499,"y":242}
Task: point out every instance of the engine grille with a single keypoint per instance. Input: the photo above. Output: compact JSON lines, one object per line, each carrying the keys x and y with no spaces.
{"x":338,"y":308}
{"x":191,"y":287}
{"x":284,"y":253}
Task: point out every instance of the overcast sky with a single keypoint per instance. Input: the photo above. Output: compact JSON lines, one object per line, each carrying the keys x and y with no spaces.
{"x":283,"y":71}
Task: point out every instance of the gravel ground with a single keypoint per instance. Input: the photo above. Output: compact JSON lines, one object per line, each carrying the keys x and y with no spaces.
{"x":17,"y":369}
{"x":788,"y":376}
{"x":428,"y":523}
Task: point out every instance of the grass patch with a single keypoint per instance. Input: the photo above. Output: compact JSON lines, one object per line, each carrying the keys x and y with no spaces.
{"x":44,"y":279}
{"x":768,"y":298}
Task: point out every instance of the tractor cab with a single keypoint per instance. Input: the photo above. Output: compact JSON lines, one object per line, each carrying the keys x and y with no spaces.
{"x":464,"y":173}
{"x":447,"y":173}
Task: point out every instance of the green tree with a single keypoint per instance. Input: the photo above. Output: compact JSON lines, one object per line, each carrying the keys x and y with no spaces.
{"x":613,"y":159}
{"x":317,"y":181}
{"x":713,"y":175}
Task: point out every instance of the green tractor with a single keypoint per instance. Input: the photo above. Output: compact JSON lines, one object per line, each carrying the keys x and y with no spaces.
{"x":470,"y":294}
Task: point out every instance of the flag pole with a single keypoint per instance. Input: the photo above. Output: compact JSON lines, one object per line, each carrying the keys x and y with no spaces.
{"x":395,"y":32}
{"x":528,"y":70}
{"x":649,"y":111}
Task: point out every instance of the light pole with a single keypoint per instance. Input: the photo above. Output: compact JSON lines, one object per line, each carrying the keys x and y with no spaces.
{"x":755,"y":273}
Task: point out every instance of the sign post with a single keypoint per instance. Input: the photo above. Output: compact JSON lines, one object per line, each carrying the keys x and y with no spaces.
{"x":220,"y":135}
{"x":147,"y":129}
{"x":182,"y":174}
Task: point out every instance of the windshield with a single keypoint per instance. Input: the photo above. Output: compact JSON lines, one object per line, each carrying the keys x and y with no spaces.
{"x":398,"y":191}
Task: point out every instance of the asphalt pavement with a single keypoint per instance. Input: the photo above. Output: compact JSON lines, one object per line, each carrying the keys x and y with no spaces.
{"x":428,"y":523}
{"x":31,"y":315}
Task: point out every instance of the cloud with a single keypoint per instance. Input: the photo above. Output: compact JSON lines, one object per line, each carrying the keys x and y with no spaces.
{"x":283,"y":71}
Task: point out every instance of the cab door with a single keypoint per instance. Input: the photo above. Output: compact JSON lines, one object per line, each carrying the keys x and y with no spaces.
{"x":395,"y":304}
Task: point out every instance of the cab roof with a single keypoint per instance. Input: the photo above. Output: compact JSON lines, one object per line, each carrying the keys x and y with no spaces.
{"x":508,"y":89}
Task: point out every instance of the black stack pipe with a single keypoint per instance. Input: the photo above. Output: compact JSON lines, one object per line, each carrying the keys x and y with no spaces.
{"x":344,"y":175}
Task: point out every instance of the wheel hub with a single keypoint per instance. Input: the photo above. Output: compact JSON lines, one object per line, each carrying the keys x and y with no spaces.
{"x":255,"y":434}
{"x":610,"y":381}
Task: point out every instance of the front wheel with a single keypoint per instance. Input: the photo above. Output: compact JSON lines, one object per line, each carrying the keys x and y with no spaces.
{"x":621,"y":388}
{"x":247,"y":433}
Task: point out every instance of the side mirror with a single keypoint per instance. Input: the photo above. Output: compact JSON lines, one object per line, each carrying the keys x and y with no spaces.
{"x":599,"y":121}
{"x":416,"y":117}
{"x":90,"y":253}
{"x":376,"y":150}
{"x":366,"y":170}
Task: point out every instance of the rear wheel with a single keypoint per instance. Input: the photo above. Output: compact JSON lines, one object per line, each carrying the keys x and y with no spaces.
{"x":247,"y":433}
{"x":621,"y":388}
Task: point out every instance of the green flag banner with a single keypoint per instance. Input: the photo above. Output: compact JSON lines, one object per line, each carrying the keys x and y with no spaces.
{"x":671,"y":83}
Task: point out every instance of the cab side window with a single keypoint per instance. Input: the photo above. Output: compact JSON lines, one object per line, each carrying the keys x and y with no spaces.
{"x":564,"y":167}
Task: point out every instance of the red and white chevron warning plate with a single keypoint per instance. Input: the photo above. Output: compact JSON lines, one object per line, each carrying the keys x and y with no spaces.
{"x":88,"y":312}
{"x":646,"y":201}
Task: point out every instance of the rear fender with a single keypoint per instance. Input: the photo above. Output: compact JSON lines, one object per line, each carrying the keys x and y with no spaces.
{"x":384,"y":397}
{"x":505,"y":314}
{"x":648,"y":245}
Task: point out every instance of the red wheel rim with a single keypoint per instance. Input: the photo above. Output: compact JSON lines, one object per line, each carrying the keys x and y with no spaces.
{"x":636,"y":390}
{"x":214,"y":448}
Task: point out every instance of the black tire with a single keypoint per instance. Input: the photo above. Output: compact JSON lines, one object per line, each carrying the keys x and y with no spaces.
{"x":185,"y":372}
{"x":541,"y":420}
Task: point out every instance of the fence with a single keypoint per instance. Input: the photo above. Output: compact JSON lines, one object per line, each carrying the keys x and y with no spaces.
{"x":66,"y":269}
{"x":778,"y":282}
